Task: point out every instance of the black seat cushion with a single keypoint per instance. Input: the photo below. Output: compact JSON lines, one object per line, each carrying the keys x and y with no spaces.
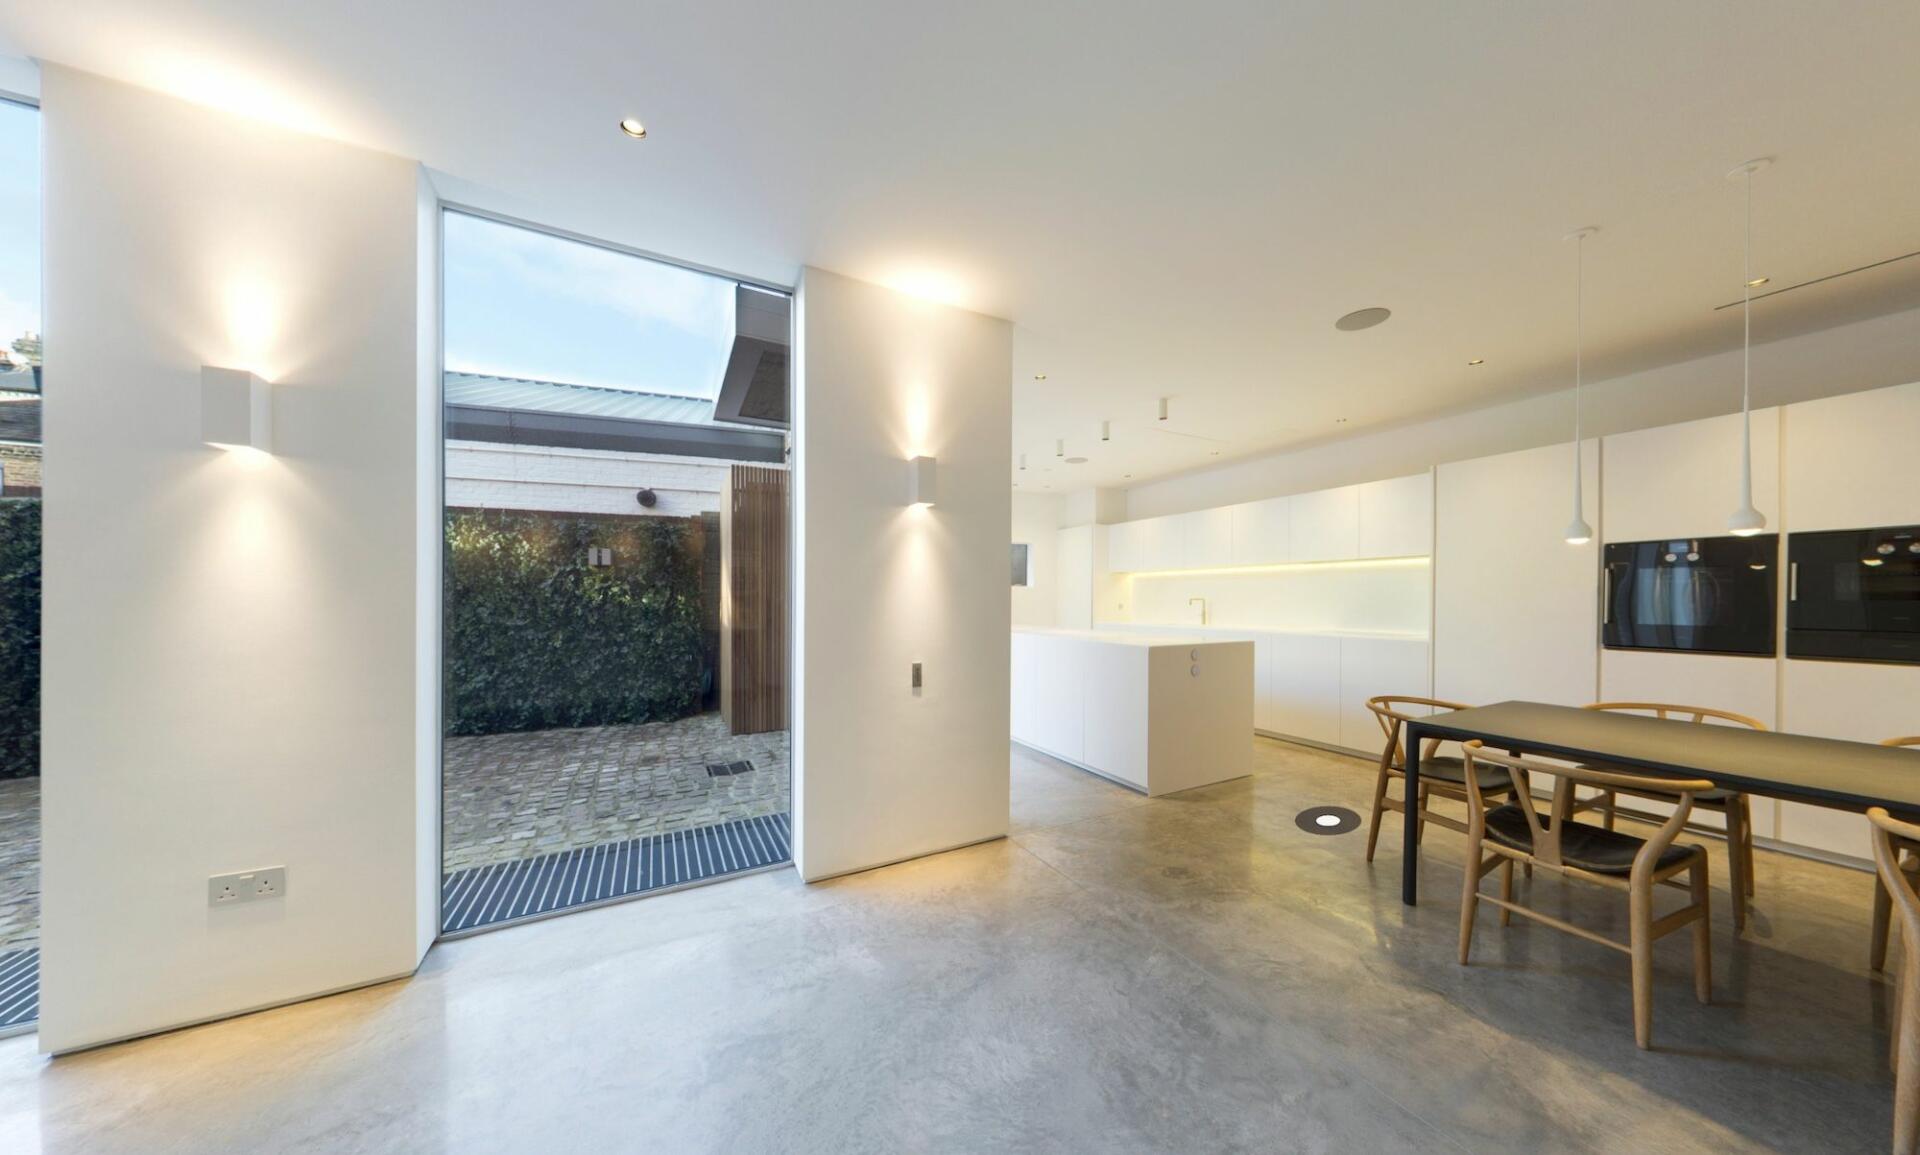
{"x":1592,"y":848}
{"x":1493,"y":779}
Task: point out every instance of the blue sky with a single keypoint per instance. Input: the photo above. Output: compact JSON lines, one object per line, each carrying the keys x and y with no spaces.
{"x":19,"y":221}
{"x":521,"y":303}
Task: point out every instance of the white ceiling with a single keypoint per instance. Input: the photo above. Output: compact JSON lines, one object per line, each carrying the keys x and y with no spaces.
{"x":1168,"y":200}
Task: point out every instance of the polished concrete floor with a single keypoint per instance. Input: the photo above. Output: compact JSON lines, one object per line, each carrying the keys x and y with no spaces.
{"x":1191,"y":973}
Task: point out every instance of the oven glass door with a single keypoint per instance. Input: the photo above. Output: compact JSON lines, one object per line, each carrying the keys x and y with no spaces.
{"x":1710,"y":595}
{"x":1854,"y":594}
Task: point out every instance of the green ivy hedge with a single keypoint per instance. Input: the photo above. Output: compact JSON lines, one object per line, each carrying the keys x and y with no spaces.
{"x":536,"y":638}
{"x":19,"y":637}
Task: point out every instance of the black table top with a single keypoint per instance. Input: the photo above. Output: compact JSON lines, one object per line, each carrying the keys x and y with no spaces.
{"x":1825,"y":771}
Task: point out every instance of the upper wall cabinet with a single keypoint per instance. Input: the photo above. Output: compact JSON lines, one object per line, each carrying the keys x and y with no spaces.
{"x":1325,"y":525}
{"x":1207,"y":537}
{"x":1392,"y":518}
{"x":1396,"y":517}
{"x":1682,"y":480}
{"x":1850,"y":461}
{"x":1123,"y":546}
{"x":1261,"y":531}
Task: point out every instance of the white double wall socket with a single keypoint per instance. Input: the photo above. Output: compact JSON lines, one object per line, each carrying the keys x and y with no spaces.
{"x":247,"y":886}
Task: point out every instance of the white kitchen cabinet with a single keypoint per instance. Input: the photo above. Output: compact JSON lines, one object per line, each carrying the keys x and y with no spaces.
{"x":1261,"y":531}
{"x":1263,"y":690}
{"x":1849,"y":461}
{"x":1678,"y":481}
{"x":1159,"y":711}
{"x":1123,"y":547}
{"x":1396,"y":517}
{"x":1163,"y":543}
{"x":1305,"y":682}
{"x":1516,"y":610}
{"x":1207,"y":538}
{"x":1370,"y":667}
{"x":1857,"y":701}
{"x":1324,"y":525}
{"x":1021,"y":710}
{"x":1059,"y":694}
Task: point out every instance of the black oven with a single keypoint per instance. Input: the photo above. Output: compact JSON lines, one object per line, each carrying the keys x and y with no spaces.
{"x":1705,"y":594}
{"x":1854,"y":594}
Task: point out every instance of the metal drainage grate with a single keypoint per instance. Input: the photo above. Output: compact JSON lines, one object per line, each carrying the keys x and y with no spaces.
{"x":19,"y":987}
{"x":484,"y":895}
{"x":1327,"y":820}
{"x":726,"y":769}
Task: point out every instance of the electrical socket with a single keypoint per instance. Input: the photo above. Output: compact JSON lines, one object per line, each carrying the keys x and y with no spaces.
{"x":247,"y":886}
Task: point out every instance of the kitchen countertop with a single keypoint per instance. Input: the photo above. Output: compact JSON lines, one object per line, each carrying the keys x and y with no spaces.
{"x":1124,"y":637}
{"x":1242,"y":631}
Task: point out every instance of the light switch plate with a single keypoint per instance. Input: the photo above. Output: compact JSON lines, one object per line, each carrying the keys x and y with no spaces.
{"x":247,"y":886}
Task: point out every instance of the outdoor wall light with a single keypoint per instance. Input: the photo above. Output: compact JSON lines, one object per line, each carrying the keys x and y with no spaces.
{"x":236,"y":409}
{"x":920,"y":481}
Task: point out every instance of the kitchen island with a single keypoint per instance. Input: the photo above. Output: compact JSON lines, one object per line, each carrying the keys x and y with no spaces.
{"x":1154,"y":712}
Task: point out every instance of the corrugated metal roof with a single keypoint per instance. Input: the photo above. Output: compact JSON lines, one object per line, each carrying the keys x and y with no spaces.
{"x":487,"y":392}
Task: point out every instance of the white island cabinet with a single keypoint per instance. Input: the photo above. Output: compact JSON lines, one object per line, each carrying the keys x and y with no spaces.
{"x":1155,"y":712}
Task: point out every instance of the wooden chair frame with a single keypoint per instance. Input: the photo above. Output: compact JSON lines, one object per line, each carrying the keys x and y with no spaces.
{"x":1643,"y":928}
{"x":1889,"y":834}
{"x":1737,"y":807}
{"x":1389,"y":710}
{"x":1909,"y":859}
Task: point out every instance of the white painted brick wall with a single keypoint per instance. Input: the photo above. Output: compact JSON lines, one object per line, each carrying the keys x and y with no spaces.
{"x":488,"y":475}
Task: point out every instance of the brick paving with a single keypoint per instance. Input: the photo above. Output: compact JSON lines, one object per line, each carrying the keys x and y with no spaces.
{"x":513,"y":796}
{"x":19,"y":863}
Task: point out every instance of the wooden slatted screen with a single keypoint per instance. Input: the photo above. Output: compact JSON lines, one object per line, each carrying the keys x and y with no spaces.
{"x":753,"y":560}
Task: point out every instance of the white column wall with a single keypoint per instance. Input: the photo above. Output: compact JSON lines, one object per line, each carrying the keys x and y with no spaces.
{"x":233,"y":642}
{"x":882,"y":772}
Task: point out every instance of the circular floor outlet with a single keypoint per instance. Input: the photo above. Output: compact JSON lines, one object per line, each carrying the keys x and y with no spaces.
{"x":1327,"y":820}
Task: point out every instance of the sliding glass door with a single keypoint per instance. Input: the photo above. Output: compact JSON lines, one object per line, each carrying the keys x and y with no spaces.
{"x":615,"y":658}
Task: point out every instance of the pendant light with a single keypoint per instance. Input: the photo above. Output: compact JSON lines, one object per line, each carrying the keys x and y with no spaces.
{"x":1578,"y":531}
{"x":1747,"y":521}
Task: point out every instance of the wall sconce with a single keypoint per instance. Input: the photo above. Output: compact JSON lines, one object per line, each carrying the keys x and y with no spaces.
{"x":236,"y":409}
{"x":920,"y":481}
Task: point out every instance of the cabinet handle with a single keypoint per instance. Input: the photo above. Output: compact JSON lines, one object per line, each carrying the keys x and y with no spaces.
{"x":1606,"y":597}
{"x":1793,"y":581}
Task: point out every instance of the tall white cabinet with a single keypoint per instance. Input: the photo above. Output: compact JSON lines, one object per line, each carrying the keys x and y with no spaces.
{"x":1515,"y":608}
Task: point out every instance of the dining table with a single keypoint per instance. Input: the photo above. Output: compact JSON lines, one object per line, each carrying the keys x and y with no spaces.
{"x":1831,"y":772}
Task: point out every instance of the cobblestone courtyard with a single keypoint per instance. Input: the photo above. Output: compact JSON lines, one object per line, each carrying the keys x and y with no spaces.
{"x":19,"y":863}
{"x":513,"y":796}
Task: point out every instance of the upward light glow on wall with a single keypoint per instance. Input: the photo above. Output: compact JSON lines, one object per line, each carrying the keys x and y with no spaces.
{"x":209,"y":81}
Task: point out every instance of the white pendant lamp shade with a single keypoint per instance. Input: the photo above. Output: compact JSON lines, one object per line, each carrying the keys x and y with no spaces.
{"x":1747,"y":520}
{"x":1578,"y":531}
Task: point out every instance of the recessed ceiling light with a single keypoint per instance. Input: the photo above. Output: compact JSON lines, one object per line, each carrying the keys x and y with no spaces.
{"x":1213,"y":453}
{"x":1757,"y":282}
{"x":1362,"y":319}
{"x":1076,"y":461}
{"x":1039,"y":376}
{"x":1339,"y":421}
{"x":1478,"y":361}
{"x":632,"y":127}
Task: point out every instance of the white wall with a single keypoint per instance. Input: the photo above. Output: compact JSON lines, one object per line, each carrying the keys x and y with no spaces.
{"x":1036,"y":521}
{"x":232,"y":642}
{"x":1867,"y":354}
{"x":882,"y":773}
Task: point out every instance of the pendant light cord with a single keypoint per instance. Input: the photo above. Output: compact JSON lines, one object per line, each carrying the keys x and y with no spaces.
{"x":1746,"y":354}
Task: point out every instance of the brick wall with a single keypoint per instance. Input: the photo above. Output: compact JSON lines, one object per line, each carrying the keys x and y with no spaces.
{"x":20,"y":465}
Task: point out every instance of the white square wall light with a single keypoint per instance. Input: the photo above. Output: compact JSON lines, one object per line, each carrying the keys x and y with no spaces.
{"x":236,"y":409}
{"x":920,"y":481}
